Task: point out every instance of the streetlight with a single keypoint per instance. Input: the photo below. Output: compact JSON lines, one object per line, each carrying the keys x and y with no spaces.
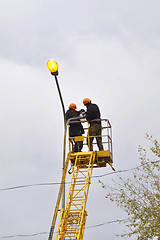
{"x":53,"y":68}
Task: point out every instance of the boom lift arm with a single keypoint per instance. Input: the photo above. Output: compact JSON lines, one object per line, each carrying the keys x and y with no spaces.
{"x":59,"y":198}
{"x":73,"y":218}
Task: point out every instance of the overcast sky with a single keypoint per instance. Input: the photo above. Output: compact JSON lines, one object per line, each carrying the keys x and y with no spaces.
{"x":108,"y":51}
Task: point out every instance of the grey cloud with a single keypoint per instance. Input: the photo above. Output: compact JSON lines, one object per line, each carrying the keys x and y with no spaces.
{"x":32,"y":32}
{"x":140,"y":18}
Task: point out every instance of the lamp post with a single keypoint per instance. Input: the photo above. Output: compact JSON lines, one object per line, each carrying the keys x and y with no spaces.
{"x":53,"y":68}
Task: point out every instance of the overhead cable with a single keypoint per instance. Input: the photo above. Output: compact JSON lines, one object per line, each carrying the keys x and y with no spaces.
{"x":58,"y":183}
{"x":45,"y":233}
{"x":125,"y":170}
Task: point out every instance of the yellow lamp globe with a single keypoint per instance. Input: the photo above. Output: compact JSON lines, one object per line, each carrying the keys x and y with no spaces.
{"x":52,"y":66}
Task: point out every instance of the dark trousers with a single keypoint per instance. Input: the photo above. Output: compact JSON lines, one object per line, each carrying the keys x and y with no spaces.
{"x":95,"y":130}
{"x":78,"y":146}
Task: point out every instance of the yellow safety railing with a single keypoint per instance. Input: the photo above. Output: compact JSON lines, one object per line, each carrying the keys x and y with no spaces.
{"x":106,"y":135}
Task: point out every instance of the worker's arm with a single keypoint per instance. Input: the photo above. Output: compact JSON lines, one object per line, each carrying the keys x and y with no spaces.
{"x":88,"y":114}
{"x":67,"y":116}
{"x":82,"y":111}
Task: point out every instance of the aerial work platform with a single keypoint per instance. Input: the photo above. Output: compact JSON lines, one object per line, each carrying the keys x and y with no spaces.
{"x":101,"y":158}
{"x":73,"y":218}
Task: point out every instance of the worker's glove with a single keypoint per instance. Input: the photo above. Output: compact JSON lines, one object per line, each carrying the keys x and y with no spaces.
{"x":82,"y":111}
{"x":82,"y":115}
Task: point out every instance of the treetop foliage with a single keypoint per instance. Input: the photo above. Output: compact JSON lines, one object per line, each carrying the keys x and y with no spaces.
{"x":139,"y":194}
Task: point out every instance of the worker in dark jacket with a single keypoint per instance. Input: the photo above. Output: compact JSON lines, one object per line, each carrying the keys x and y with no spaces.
{"x":95,"y":128}
{"x":75,"y":126}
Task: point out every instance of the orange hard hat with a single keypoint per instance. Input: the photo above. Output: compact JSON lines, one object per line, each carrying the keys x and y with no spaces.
{"x":73,"y":106}
{"x":86,"y":100}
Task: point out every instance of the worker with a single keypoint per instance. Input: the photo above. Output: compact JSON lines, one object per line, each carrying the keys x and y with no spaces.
{"x":75,"y":126}
{"x":95,"y":128}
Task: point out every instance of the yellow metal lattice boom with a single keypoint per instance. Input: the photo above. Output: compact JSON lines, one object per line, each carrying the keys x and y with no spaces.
{"x":73,"y":218}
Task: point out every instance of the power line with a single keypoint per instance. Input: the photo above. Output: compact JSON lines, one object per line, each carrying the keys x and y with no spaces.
{"x":125,"y":170}
{"x":25,"y":235}
{"x":44,"y":233}
{"x":30,"y":185}
{"x":105,"y":223}
{"x":89,"y":227}
{"x":58,"y":183}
